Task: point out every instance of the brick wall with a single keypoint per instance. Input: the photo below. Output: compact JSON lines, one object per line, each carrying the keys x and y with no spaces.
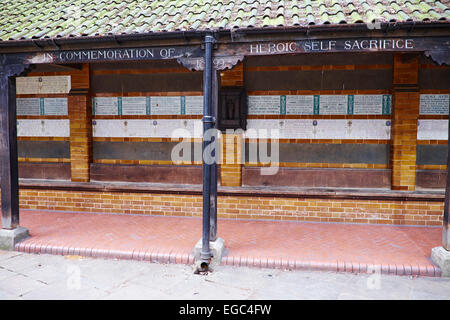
{"x":80,"y":113}
{"x":231,"y":166}
{"x":233,"y":77}
{"x":405,"y":113}
{"x":427,"y":213}
{"x":400,"y":74}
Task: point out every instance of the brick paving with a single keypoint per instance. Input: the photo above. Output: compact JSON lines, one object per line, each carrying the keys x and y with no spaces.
{"x":401,"y":250}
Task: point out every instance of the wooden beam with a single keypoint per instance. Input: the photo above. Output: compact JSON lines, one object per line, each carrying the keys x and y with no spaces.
{"x":228,"y":54}
{"x":8,"y":144}
{"x":8,"y":155}
{"x":71,"y":66}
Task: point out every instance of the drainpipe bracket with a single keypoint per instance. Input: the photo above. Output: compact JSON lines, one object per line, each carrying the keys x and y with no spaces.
{"x":208,"y":119}
{"x":209,"y":39}
{"x":217,"y":249}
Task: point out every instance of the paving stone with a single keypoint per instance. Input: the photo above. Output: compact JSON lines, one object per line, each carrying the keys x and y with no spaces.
{"x":170,"y":281}
{"x":16,"y":262}
{"x":137,"y":292}
{"x":5,"y":273}
{"x":19,"y":285}
{"x":110,"y":275}
{"x":61,"y":291}
{"x":7,"y":296}
{"x":8,"y":254}
{"x":201,"y":289}
{"x":46,"y":273}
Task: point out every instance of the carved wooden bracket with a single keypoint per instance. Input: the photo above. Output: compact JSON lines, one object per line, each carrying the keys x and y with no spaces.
{"x":11,"y":68}
{"x":439,"y":56}
{"x":219,"y":63}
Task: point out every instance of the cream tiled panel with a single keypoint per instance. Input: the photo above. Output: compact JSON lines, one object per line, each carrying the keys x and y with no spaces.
{"x":157,"y":128}
{"x":324,"y":129}
{"x":432,"y":130}
{"x":43,"y":128}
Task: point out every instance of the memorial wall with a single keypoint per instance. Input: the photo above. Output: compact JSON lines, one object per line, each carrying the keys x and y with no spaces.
{"x":136,"y":107}
{"x":43,"y":126}
{"x":333,"y":114}
{"x":432,"y":126}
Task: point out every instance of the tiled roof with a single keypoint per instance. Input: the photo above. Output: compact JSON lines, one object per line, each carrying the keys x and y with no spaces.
{"x":24,"y":19}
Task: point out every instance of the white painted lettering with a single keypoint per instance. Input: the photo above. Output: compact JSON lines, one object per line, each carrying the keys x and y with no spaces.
{"x":315,"y":45}
{"x":332,"y":44}
{"x":292,"y":46}
{"x":347,"y":45}
{"x":409,"y":43}
{"x":364,"y":44}
{"x":355,"y":45}
{"x":272,"y":47}
{"x":399,"y":44}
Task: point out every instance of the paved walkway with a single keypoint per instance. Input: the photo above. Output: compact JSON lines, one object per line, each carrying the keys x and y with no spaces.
{"x":44,"y":277}
{"x":353,"y":248}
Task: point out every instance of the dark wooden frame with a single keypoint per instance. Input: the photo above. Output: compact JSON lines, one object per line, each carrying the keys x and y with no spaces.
{"x":8,"y":142}
{"x":236,"y":96}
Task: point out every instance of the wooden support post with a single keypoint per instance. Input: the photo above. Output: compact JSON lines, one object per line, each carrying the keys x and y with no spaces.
{"x":8,"y":144}
{"x":11,"y":233}
{"x":8,"y":154}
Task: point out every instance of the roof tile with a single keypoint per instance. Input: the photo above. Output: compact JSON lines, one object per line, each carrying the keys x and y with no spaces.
{"x":52,"y":18}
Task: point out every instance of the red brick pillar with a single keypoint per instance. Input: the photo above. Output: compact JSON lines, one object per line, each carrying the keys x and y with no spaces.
{"x":231,"y":164}
{"x":405,"y":113}
{"x":80,"y":114}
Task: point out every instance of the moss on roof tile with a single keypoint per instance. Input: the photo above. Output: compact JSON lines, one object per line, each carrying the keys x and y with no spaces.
{"x":20,"y":19}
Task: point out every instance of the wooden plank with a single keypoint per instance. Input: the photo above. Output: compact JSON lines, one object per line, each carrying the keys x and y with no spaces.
{"x":8,"y":154}
{"x":9,"y":68}
{"x":227,"y":53}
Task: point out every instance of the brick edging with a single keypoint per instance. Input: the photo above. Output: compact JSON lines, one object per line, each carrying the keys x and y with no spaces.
{"x":158,"y":256}
{"x":336,"y":266}
{"x":155,"y":256}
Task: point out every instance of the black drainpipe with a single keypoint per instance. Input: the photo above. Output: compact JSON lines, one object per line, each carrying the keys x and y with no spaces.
{"x":208,"y":123}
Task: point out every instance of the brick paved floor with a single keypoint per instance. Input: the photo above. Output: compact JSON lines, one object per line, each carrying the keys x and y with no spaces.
{"x":274,"y":244}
